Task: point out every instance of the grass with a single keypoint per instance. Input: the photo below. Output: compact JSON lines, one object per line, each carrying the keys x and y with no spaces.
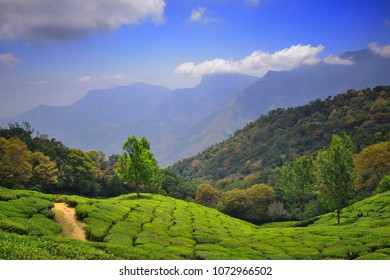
{"x":159,"y":227}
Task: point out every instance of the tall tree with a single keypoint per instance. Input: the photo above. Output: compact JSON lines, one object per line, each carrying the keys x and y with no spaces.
{"x":137,"y":165}
{"x":297,"y":182}
{"x":335,"y":173}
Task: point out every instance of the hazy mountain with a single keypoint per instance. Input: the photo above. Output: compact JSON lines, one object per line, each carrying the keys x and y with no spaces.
{"x":182,"y":122}
{"x":95,"y":121}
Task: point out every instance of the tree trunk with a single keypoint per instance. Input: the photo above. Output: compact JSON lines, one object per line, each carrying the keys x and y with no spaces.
{"x":338,"y":216}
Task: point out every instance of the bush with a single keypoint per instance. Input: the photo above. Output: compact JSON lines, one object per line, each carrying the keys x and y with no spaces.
{"x":384,"y":185}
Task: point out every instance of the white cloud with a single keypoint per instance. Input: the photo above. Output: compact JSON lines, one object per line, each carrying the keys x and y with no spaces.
{"x":201,"y":15}
{"x":337,"y":60}
{"x":382,"y":51}
{"x":118,"y":78}
{"x":258,"y":63}
{"x":68,"y":19}
{"x":85,"y":79}
{"x":8,"y":60}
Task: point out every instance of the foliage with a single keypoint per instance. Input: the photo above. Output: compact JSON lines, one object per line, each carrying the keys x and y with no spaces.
{"x":285,"y":134}
{"x":175,"y":186}
{"x":15,"y":169}
{"x":384,"y":185}
{"x":207,"y":195}
{"x":297,"y":182}
{"x":159,"y":227}
{"x":138,"y":167}
{"x":335,"y":172}
{"x":371,"y":165}
{"x":249,"y":204}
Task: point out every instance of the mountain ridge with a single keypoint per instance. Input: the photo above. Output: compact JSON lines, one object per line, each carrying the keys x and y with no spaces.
{"x":180,"y":123}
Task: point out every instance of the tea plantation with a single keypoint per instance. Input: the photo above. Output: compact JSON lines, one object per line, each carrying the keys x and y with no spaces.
{"x":159,"y":227}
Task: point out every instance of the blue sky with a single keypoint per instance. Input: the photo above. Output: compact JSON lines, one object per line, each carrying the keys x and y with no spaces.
{"x":53,"y":52}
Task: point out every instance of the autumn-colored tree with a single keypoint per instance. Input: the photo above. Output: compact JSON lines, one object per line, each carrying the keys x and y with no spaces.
{"x":233,"y":203}
{"x":260,"y":196}
{"x":371,"y":165}
{"x":335,"y":174}
{"x":15,"y":168}
{"x":44,"y":171}
{"x":250,"y":204}
{"x":207,"y":195}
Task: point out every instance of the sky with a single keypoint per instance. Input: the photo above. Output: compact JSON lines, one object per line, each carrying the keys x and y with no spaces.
{"x":53,"y":52}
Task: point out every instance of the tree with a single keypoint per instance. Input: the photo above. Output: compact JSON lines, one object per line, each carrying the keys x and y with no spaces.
{"x":80,"y":173}
{"x":260,"y":196}
{"x":15,"y":168}
{"x":297,"y":182}
{"x":371,"y":165}
{"x":44,"y":171}
{"x":207,"y":195}
{"x":137,"y":165}
{"x":335,"y":174}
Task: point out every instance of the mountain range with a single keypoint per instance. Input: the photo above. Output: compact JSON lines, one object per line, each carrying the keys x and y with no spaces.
{"x":182,"y":122}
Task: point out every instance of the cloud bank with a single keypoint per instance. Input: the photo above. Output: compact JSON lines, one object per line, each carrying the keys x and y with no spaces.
{"x":69,"y":19}
{"x":258,"y":63}
{"x":382,"y":51}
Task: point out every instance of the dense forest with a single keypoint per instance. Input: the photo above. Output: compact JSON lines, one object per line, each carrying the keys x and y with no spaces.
{"x":283,"y":135}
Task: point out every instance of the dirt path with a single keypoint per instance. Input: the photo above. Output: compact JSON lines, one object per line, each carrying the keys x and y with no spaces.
{"x":66,"y":218}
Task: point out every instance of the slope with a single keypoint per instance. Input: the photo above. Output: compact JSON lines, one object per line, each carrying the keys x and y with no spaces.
{"x":158,"y":227}
{"x":285,"y":134}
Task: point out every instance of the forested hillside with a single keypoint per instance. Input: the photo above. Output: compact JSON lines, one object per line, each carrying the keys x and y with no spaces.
{"x":286,"y":134}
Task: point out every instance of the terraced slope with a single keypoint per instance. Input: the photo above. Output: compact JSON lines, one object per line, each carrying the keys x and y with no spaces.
{"x":159,"y":227}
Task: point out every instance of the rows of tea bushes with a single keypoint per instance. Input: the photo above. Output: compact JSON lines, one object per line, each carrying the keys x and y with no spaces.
{"x":159,"y":227}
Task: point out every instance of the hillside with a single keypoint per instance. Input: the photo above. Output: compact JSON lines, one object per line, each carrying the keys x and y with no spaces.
{"x":285,"y":134}
{"x":182,"y":122}
{"x":158,"y":227}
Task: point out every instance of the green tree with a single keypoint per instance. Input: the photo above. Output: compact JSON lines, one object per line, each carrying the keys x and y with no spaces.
{"x":207,"y":195}
{"x":297,"y":182}
{"x":80,"y":173}
{"x":335,"y":174}
{"x":15,"y":168}
{"x":137,"y":165}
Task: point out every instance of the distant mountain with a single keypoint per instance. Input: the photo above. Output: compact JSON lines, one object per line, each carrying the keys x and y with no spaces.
{"x":182,"y":122}
{"x":95,"y":121}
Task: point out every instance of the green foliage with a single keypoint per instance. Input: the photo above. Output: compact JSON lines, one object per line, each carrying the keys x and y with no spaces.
{"x":138,"y":167}
{"x":160,"y":227}
{"x":286,"y":134}
{"x":297,"y":182}
{"x":384,"y":185}
{"x":335,"y":174}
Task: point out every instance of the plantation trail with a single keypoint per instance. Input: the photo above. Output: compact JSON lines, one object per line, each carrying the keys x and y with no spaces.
{"x":66,"y":218}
